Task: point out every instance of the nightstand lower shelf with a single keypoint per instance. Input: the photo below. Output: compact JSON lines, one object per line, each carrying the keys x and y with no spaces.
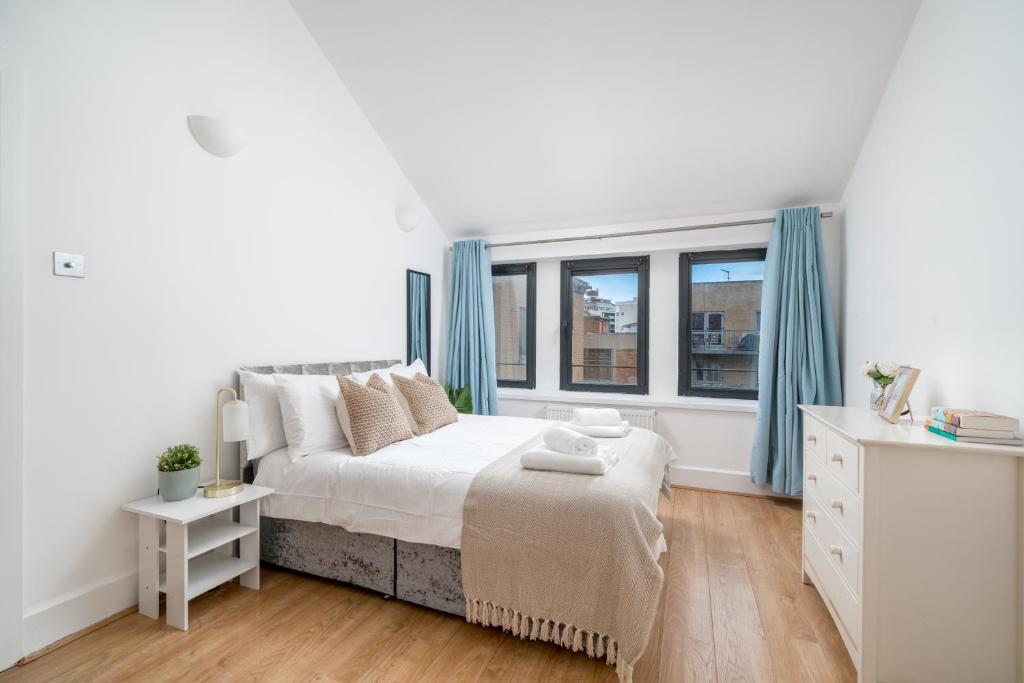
{"x":209,"y":571}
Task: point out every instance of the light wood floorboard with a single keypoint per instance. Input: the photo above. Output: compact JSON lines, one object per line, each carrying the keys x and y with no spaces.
{"x":733,"y":608}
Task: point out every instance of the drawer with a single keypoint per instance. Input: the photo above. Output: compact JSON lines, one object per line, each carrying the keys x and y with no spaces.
{"x":834,"y":592}
{"x":814,"y":436}
{"x":839,"y":502}
{"x":843,"y":554}
{"x":842,"y":458}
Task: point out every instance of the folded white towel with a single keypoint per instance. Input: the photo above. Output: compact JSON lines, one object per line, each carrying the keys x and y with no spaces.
{"x":596,"y":416}
{"x":565,"y":440}
{"x":541,"y":458}
{"x":601,"y":431}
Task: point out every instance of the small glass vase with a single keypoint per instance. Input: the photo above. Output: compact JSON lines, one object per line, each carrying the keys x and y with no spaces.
{"x":878,"y":396}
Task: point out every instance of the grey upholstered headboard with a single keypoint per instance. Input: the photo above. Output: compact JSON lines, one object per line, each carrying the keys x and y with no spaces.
{"x":304,"y":369}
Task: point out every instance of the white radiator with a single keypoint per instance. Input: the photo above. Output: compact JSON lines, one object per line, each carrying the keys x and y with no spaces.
{"x":636,"y":417}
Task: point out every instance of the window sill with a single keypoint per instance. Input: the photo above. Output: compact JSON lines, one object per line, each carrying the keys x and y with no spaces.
{"x":733,"y":405}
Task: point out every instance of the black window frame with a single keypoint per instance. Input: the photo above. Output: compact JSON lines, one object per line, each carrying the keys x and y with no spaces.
{"x":686,"y":263}
{"x":602,"y":266}
{"x":530,"y":270}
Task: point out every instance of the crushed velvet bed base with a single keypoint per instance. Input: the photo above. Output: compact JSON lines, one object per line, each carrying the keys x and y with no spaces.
{"x":427,"y":575}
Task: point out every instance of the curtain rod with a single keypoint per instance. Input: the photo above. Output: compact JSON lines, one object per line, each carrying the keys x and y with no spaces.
{"x":653,"y":231}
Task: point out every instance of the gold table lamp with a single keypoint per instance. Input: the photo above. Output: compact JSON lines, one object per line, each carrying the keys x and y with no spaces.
{"x":232,"y":425}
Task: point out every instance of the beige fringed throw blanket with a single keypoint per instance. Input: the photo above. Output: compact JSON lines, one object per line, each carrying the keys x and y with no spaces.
{"x":569,"y":559}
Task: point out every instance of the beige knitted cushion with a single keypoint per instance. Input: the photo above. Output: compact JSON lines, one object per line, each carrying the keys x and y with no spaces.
{"x":363,"y":378}
{"x":427,"y":400}
{"x":373,"y":413}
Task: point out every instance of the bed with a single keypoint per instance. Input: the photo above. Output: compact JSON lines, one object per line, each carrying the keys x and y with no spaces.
{"x":334,"y":515}
{"x":392,"y":521}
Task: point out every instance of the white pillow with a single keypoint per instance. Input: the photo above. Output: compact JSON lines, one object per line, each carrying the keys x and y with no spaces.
{"x":411,"y":369}
{"x":385,"y":374}
{"x":307,"y":410}
{"x":266,"y":431}
{"x":364,"y":377}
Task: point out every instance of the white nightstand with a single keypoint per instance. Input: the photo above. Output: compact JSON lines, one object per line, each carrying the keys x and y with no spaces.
{"x":197,"y":544}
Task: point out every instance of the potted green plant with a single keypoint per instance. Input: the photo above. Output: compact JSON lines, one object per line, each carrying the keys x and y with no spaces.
{"x":178,"y":472}
{"x":461,"y":398}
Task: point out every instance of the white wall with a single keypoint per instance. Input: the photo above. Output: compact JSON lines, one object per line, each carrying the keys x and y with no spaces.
{"x":934,"y":243}
{"x":711,"y":437}
{"x":12,"y":236}
{"x":195,"y":265}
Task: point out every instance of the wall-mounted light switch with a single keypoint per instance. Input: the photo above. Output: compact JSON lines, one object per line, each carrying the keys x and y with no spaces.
{"x":68,"y":265}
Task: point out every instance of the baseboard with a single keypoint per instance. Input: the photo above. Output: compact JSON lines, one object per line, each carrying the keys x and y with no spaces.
{"x":730,"y":481}
{"x":54,"y":620}
{"x":32,"y":656}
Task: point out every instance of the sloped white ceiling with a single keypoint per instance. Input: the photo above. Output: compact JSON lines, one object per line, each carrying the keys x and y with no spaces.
{"x":522,"y":115}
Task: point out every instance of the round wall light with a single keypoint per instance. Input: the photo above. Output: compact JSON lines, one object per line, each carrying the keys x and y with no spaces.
{"x":216,"y":136}
{"x":407,"y":217}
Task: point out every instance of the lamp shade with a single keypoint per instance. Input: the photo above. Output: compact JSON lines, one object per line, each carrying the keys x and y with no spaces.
{"x":216,"y":136}
{"x":235,"y":416}
{"x":407,"y":218}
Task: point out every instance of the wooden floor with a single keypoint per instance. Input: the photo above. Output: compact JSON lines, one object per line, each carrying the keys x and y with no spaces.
{"x":734,"y":609}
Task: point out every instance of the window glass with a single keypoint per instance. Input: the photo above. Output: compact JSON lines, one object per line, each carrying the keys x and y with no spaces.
{"x":514,"y":300}
{"x":604,"y":330}
{"x":724,"y":301}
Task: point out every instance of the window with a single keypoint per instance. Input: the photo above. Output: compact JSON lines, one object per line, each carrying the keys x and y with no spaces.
{"x":706,"y":329}
{"x":515,"y":317}
{"x":720,"y":322}
{"x":709,"y":371}
{"x":604,"y":325}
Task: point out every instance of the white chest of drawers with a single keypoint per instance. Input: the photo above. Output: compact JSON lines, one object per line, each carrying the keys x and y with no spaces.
{"x":916,"y":545}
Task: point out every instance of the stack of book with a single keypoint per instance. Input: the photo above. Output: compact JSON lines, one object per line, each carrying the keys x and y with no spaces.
{"x":973,"y":426}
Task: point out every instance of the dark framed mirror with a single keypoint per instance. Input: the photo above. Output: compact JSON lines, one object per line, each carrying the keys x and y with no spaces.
{"x":417,"y":317}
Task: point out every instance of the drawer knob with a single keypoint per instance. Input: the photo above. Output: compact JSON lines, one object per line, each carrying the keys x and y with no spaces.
{"x":812,"y":515}
{"x":838,"y":504}
{"x":812,"y":477}
{"x":836,"y":550}
{"x":836,"y":457}
{"x":811,"y":438}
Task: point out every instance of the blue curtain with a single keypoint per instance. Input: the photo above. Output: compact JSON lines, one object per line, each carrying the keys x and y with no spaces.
{"x":418,"y":306}
{"x":799,"y":358}
{"x":470,"y":359}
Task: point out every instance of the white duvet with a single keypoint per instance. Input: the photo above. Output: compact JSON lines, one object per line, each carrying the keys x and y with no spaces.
{"x":412,"y":490}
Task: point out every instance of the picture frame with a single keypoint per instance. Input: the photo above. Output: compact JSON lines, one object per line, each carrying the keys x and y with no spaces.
{"x":898,"y":393}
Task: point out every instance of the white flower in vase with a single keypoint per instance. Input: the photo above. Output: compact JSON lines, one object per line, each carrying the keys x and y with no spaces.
{"x":882,"y":375}
{"x":888,"y":369}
